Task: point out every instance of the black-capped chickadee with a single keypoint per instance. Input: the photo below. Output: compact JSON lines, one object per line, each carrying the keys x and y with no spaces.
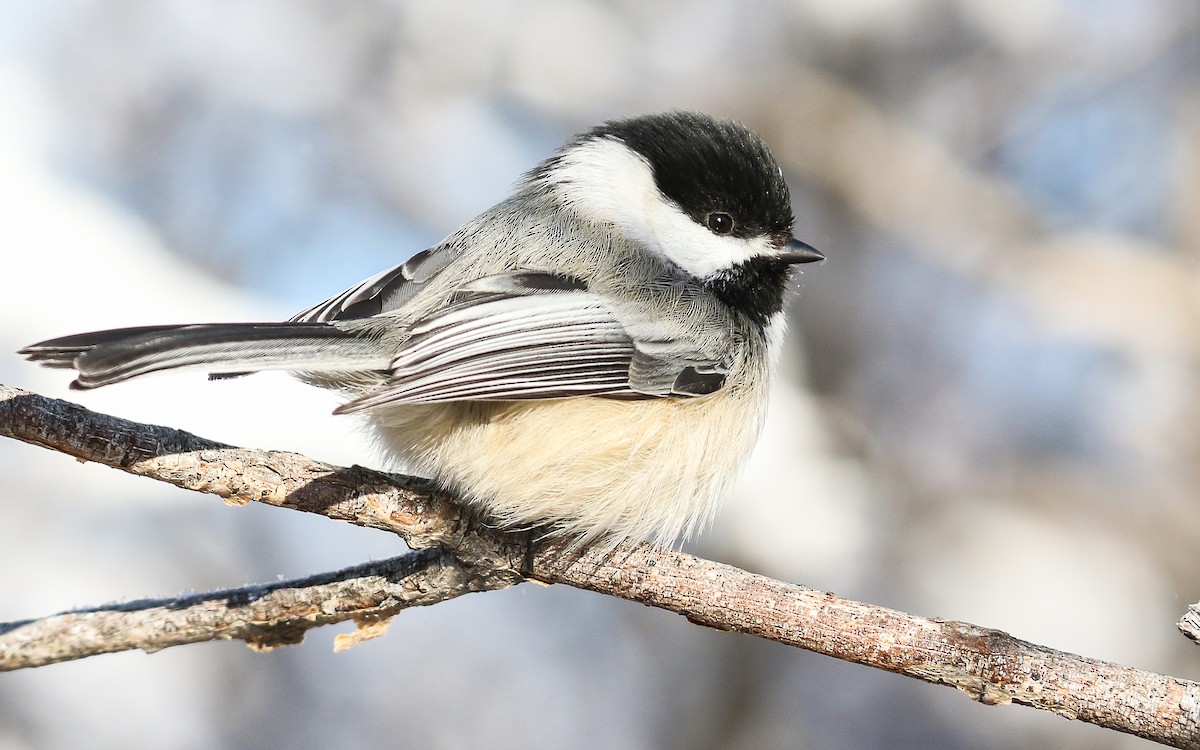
{"x":591,"y":356}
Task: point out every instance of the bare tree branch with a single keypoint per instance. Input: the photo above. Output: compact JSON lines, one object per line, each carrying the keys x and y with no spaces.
{"x":264,"y":616}
{"x":403,"y":505}
{"x":991,"y":666}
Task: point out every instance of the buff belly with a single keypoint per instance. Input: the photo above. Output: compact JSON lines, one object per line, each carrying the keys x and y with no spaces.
{"x":586,"y":467}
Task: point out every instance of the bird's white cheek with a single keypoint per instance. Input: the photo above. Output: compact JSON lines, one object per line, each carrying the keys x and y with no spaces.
{"x":694,"y":248}
{"x":608,"y":183}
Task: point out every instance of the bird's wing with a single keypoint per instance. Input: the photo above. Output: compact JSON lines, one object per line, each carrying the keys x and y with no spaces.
{"x":537,"y":336}
{"x":385,"y":291}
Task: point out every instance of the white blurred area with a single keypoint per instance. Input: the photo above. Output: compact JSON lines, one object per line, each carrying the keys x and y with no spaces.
{"x":988,"y":410}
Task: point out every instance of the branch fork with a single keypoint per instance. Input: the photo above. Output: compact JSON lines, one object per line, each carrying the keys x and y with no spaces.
{"x":452,"y":556}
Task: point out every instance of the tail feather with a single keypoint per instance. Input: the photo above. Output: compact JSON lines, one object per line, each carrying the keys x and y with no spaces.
{"x":106,"y":357}
{"x":60,"y":353}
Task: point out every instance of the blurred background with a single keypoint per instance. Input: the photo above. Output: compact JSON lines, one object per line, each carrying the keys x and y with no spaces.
{"x":989,"y":405}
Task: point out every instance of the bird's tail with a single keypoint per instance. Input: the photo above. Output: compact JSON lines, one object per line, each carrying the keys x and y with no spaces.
{"x":106,"y":357}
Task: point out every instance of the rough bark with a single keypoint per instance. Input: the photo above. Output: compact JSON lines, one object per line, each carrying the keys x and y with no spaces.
{"x":460,"y":556}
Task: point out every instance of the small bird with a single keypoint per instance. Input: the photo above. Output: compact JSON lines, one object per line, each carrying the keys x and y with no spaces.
{"x":591,"y":357}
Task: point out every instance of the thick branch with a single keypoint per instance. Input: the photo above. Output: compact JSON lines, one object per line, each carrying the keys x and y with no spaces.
{"x":403,"y":505}
{"x":990,"y":665}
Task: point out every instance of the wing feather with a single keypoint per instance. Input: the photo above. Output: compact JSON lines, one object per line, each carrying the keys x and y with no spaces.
{"x":519,"y":335}
{"x":549,"y":345}
{"x":387,"y":290}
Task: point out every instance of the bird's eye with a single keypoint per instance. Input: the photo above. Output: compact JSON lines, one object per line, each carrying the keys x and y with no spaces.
{"x":720,"y":222}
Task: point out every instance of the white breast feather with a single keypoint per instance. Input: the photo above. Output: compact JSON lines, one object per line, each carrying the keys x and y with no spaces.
{"x":653,"y":469}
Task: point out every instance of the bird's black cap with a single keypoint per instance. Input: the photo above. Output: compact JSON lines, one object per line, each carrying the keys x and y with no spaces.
{"x":706,"y":165}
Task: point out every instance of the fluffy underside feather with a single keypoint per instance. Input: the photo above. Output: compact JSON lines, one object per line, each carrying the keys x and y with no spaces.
{"x":582,"y":468}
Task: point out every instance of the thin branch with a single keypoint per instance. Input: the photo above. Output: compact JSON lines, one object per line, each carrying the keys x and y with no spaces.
{"x":989,"y":665}
{"x":264,"y":616}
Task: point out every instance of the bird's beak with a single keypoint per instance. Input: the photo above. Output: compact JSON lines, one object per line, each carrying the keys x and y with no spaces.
{"x":799,"y":252}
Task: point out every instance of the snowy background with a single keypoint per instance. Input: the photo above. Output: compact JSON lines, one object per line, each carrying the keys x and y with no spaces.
{"x":991,"y":401}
